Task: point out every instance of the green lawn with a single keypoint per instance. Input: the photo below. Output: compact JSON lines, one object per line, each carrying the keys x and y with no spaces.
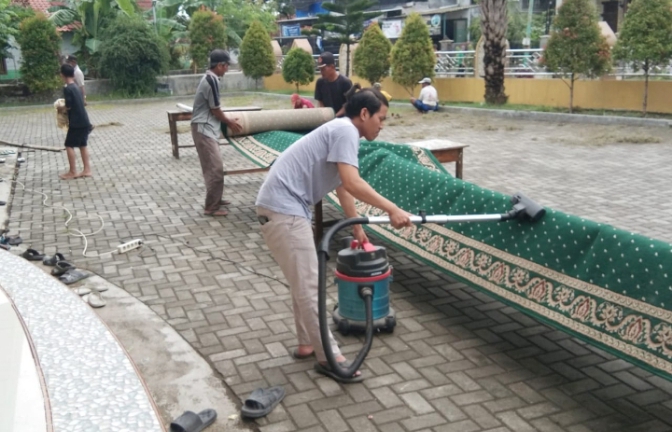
{"x":542,"y":108}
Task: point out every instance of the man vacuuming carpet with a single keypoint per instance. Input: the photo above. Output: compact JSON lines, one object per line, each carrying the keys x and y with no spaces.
{"x":324,"y":160}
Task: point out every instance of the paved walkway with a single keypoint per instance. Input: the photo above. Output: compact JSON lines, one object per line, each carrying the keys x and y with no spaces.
{"x":458,"y":361}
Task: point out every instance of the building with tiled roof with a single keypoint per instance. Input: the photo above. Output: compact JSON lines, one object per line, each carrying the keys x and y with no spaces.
{"x":144,"y":4}
{"x":43,"y":6}
{"x":12,"y":64}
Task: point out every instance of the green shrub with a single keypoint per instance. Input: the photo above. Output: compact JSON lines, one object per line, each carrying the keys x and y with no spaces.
{"x":256,"y":52}
{"x":132,"y":56}
{"x":576,"y":46}
{"x":645,"y":39}
{"x":206,"y":33}
{"x":413,"y":55}
{"x":40,"y":44}
{"x":372,"y":56}
{"x":298,"y":68}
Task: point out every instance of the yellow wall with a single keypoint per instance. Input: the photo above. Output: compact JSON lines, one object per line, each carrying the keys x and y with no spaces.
{"x":598,"y":94}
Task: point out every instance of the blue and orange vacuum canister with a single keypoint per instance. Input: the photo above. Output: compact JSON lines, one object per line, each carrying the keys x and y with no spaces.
{"x":363,"y":277}
{"x":359,"y":266}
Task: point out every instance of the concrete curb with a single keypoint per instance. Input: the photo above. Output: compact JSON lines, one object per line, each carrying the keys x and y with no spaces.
{"x":177,"y":376}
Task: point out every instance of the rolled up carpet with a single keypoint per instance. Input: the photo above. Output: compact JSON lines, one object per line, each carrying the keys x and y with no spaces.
{"x":254,"y":122}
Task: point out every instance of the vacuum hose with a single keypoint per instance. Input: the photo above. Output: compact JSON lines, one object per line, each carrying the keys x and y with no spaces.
{"x":365,"y":292}
{"x":523,"y":209}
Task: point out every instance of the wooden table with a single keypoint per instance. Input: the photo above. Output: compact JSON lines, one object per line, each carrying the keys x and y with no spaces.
{"x":444,"y":151}
{"x":176,"y":116}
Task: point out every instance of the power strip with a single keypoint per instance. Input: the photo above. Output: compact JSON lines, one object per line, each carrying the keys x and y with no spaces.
{"x":129,"y":246}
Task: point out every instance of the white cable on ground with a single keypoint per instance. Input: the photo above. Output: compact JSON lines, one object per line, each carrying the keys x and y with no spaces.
{"x":70,"y":218}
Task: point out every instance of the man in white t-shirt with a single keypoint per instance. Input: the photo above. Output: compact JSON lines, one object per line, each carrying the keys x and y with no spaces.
{"x":321,"y":161}
{"x":79,"y":75}
{"x":428,"y":100}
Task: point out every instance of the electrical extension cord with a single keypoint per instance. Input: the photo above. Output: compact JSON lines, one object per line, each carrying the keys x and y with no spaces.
{"x":72,"y":231}
{"x":129,"y":246}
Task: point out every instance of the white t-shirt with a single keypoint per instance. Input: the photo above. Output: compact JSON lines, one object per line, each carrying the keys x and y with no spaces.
{"x":429,"y":96}
{"x":308,"y":170}
{"x":79,"y":77}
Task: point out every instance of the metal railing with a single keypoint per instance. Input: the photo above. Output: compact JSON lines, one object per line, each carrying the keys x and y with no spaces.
{"x":455,"y":63}
{"x":519,"y":63}
{"x":281,"y":60}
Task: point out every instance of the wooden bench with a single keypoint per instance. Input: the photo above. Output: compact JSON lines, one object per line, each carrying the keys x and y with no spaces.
{"x":444,"y":151}
{"x":184,"y":115}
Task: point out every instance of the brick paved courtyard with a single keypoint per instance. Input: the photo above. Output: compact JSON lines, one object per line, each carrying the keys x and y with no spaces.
{"x":458,"y":361}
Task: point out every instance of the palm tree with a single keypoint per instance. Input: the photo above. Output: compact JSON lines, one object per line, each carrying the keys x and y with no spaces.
{"x":493,"y":28}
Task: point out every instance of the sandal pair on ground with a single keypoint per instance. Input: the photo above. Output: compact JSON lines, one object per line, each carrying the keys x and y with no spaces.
{"x":263,"y":400}
{"x":68,"y":274}
{"x":260,"y":402}
{"x":11,"y":240}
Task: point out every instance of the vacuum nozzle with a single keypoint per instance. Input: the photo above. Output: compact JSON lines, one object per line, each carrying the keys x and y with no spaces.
{"x":525,"y":208}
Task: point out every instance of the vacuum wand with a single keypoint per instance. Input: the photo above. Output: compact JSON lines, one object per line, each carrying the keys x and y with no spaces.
{"x":523,"y":209}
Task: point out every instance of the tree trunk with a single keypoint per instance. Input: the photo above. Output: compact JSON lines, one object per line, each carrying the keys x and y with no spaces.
{"x":646,"y":87}
{"x":347,"y":60}
{"x":571,"y":94}
{"x":493,"y":27}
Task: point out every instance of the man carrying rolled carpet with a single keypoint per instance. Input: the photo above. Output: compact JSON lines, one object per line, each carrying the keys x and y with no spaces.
{"x":206,"y":123}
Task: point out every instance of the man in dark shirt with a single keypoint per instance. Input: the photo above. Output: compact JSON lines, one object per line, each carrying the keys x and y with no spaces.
{"x":79,"y":126}
{"x":330,"y":90}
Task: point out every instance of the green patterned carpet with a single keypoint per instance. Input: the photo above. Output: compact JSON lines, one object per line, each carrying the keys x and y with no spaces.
{"x":609,"y":287}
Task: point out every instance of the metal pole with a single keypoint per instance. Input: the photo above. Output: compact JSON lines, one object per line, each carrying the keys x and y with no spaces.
{"x":528,"y":31}
{"x":154,"y":13}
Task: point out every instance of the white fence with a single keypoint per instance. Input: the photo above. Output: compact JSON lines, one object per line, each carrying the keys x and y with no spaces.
{"x":519,"y":63}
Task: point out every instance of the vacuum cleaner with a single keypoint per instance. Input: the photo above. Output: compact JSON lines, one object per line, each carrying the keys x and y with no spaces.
{"x":363,"y":275}
{"x":358,"y":265}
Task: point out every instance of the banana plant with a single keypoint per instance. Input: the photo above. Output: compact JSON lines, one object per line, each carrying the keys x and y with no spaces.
{"x":172,"y":29}
{"x":89,"y":19}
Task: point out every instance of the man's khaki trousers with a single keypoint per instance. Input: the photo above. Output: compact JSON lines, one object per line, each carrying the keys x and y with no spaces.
{"x":290,"y":240}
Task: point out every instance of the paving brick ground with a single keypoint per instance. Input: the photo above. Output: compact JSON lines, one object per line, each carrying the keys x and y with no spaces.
{"x":458,"y":361}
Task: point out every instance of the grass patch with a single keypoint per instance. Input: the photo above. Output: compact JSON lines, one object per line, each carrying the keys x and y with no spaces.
{"x":543,"y":108}
{"x":417,"y":136}
{"x":289,"y":92}
{"x":181,"y":128}
{"x":122,"y":96}
{"x":605,"y":139}
{"x":638,"y":139}
{"x":108,"y":124}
